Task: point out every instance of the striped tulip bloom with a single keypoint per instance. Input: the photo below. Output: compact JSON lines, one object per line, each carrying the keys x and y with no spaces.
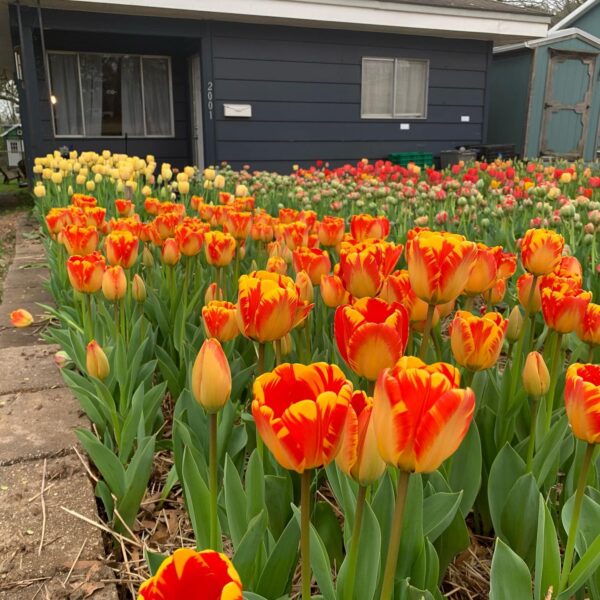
{"x":211,"y":377}
{"x":588,"y":330}
{"x":564,"y":304}
{"x":582,"y":401}
{"x":206,"y":575}
{"x":170,"y":252}
{"x":114,"y":283}
{"x":95,"y":215}
{"x":371,"y":335}
{"x":359,"y":455}
{"x":333,"y":292}
{"x":421,"y":415}
{"x":484,"y":271}
{"x":331,"y":231}
{"x":125,"y":207}
{"x":83,"y":201}
{"x":190,"y":238}
{"x":300,"y":412}
{"x":80,"y":240}
{"x":314,"y":261}
{"x":21,"y":318}
{"x":121,"y":248}
{"x":219,"y":248}
{"x":541,"y":251}
{"x":219,"y":320}
{"x":363,"y":227}
{"x":85,"y":272}
{"x":506,"y":262}
{"x":477,"y":341}
{"x":238,"y":224}
{"x":439,"y":264}
{"x":276,"y":264}
{"x":524,"y":284}
{"x":569,"y":266}
{"x":269,"y":306}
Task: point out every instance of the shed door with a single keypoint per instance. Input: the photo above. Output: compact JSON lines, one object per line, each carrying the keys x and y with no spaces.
{"x":567,"y":103}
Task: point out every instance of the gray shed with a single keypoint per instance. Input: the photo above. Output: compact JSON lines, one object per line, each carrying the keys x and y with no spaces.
{"x":545,"y":93}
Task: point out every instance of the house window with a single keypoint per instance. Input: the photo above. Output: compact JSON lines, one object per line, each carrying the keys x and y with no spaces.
{"x":110,"y":95}
{"x":14,"y":147}
{"x":394,"y":88}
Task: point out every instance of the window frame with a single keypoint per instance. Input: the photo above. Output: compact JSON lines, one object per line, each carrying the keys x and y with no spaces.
{"x":112,"y":137}
{"x":395,"y":115}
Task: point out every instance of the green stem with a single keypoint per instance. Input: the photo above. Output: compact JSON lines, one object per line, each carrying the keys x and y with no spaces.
{"x":553,"y":381}
{"x":260,"y":369}
{"x":212,"y":464}
{"x":306,"y":480}
{"x":306,"y":328}
{"x":355,"y":542}
{"x":591,"y":354}
{"x":426,"y":332}
{"x":387,"y":588}
{"x":371,"y":388}
{"x":568,"y":558}
{"x":117,"y":318}
{"x":535,"y":403}
{"x":469,"y":303}
{"x":468,"y":377}
{"x":277,"y":344}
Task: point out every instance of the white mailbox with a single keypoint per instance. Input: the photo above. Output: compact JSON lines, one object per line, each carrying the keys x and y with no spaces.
{"x":243,"y":111}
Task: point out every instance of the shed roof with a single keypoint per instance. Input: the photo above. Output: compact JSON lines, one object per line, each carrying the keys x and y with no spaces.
{"x":495,"y":5}
{"x":10,"y":129}
{"x":574,"y":15}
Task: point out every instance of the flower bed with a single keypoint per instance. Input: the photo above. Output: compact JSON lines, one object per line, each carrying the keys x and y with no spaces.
{"x":334,"y":371}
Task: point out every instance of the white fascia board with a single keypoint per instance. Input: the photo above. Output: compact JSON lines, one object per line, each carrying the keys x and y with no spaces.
{"x":565,"y":34}
{"x":358,"y":14}
{"x":573,"y":15}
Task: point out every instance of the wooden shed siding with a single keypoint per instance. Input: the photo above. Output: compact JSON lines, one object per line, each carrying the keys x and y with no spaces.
{"x":589,"y":21}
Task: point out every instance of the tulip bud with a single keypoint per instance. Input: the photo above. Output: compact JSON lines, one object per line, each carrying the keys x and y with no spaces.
{"x":305,"y":286}
{"x":21,"y":318}
{"x":211,"y":376}
{"x":147,"y":258}
{"x":184,"y":187}
{"x":138,"y":289}
{"x":515,"y":324}
{"x":96,"y":362}
{"x":114,"y":283}
{"x":213,"y":292}
{"x":536,"y":378}
{"x":39,"y":190}
{"x":219,"y":182}
{"x":61,"y":359}
{"x":286,"y":344}
{"x":209,"y":174}
{"x":241,"y":190}
{"x":170,"y":252}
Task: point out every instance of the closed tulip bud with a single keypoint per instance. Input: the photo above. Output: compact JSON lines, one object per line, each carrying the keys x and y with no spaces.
{"x":213,"y":292}
{"x":21,"y":318}
{"x":209,"y":174}
{"x":286,"y":344}
{"x":96,"y":362}
{"x":219,"y":182}
{"x":138,"y":289}
{"x":184,"y":187}
{"x":515,"y":324}
{"x":305,"y":286}
{"x":39,"y":190}
{"x":536,"y":378}
{"x":211,"y":377}
{"x":89,"y":186}
{"x":170,"y":252}
{"x":333,"y":291}
{"x":241,"y":190}
{"x":147,"y":258}
{"x":114,"y":283}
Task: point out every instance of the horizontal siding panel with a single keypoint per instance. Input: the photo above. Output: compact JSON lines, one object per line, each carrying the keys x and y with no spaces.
{"x":342,"y":132}
{"x":250,"y":152}
{"x":297,"y":51}
{"x":340,"y":113}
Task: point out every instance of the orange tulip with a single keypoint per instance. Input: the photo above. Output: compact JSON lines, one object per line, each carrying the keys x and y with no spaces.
{"x":582,"y":401}
{"x":189,"y":239}
{"x":166,"y":223}
{"x":496,"y":293}
{"x":569,"y":266}
{"x":269,"y":306}
{"x":276,"y":264}
{"x":132,"y":224}
{"x":219,"y":248}
{"x":95,"y":215}
{"x":371,"y":335}
{"x":358,"y":456}
{"x":397,"y":288}
{"x":114,"y":283}
{"x":192,"y":575}
{"x":541,"y":251}
{"x":421,"y":415}
{"x":125,"y":208}
{"x":484,"y":271}
{"x":262,"y":230}
{"x":564,"y":304}
{"x":220,"y":321}
{"x":588,"y":330}
{"x":80,"y":240}
{"x":152,"y":205}
{"x":333,"y":292}
{"x":83,"y":201}
{"x":315,"y":262}
{"x":536,"y":377}
{"x":524,"y":284}
{"x":122,"y":248}
{"x":138,"y":289}
{"x":331,"y":231}
{"x":170,"y":252}
{"x":287,"y":215}
{"x":439,"y":264}
{"x":96,"y":362}
{"x":477,"y":341}
{"x":57,"y":218}
{"x":296,"y":234}
{"x":85,"y":272}
{"x":238,"y":224}
{"x":213,"y":293}
{"x":506,"y":262}
{"x":300,"y":412}
{"x":364,"y":227}
{"x":21,"y":318}
{"x":305,"y":287}
{"x":211,"y":377}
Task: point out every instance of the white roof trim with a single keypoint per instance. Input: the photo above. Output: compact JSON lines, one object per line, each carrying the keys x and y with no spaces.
{"x":573,"y":15}
{"x":12,"y":128}
{"x":565,"y":34}
{"x":356,"y":14}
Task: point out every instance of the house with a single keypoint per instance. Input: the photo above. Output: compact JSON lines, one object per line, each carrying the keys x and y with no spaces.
{"x":12,"y":138}
{"x":545,"y":93}
{"x":267,"y":82}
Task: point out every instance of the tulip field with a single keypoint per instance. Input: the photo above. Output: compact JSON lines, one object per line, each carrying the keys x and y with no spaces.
{"x":344,"y":379}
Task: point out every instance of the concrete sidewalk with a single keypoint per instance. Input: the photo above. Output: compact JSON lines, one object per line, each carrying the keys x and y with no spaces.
{"x":45,"y":551}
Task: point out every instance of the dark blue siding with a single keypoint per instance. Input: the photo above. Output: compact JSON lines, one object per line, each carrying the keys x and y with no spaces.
{"x":303,"y":85}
